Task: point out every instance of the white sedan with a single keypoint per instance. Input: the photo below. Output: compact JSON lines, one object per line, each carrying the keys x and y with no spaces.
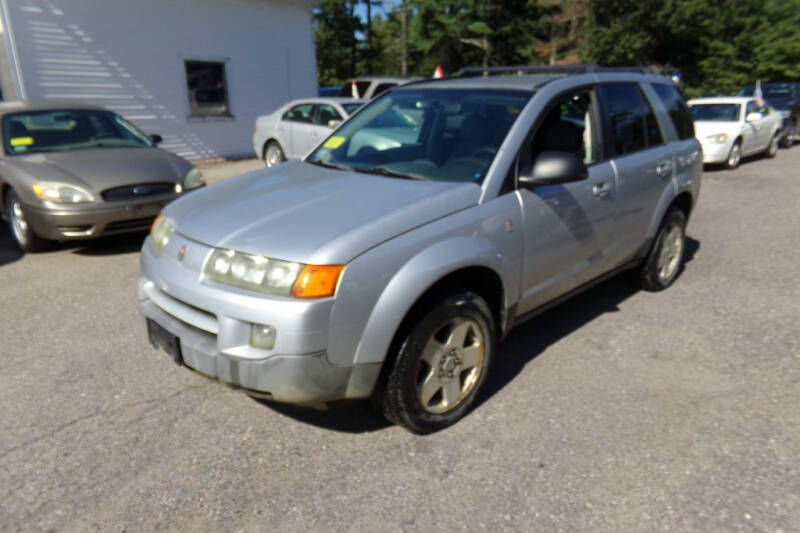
{"x":730,"y":128}
{"x":294,"y":129}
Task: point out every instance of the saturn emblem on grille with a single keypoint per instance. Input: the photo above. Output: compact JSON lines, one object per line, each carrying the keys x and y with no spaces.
{"x":182,"y":252}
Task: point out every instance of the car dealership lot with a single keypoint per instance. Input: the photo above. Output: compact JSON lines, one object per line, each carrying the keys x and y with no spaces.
{"x":618,"y":410}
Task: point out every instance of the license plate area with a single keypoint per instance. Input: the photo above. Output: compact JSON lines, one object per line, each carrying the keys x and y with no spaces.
{"x":160,"y":338}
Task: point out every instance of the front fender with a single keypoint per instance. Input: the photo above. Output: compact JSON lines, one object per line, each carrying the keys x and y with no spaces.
{"x":416,"y":277}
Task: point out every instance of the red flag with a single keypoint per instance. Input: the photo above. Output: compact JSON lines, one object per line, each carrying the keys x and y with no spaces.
{"x":438,"y":73}
{"x":354,"y":89}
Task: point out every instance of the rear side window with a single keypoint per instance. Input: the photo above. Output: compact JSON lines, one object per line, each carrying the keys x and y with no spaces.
{"x":677,"y":109}
{"x":633,"y":124}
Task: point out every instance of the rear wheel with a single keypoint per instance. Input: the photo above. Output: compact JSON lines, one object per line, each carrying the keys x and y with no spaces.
{"x":663,"y":263}
{"x":734,"y":156}
{"x":791,"y":134}
{"x":273,"y":154}
{"x":441,"y":365}
{"x":23,"y":234}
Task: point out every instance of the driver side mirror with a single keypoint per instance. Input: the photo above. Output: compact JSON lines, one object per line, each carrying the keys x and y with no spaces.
{"x":551,"y":168}
{"x":752,"y":117}
{"x":333,"y":124}
{"x":155,"y":138}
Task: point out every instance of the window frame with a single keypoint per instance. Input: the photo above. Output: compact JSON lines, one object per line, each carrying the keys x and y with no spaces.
{"x":609,"y":128}
{"x":653,"y":86}
{"x":191,"y":115}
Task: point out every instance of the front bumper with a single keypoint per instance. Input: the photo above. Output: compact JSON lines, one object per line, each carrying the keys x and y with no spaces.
{"x":94,"y":220}
{"x":213,"y":325}
{"x":716,"y":153}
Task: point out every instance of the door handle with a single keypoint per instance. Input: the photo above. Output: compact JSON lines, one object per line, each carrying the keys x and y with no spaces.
{"x":664,"y":169}
{"x":601,"y":190}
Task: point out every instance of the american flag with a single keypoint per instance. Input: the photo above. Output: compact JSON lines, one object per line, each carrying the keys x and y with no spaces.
{"x":758,"y":96}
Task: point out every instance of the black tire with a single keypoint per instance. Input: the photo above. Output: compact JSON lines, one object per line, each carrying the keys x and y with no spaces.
{"x":410,"y":376}
{"x":21,"y":232}
{"x":734,"y":155}
{"x":273,"y":154}
{"x":791,"y":132}
{"x":772,"y":147}
{"x":652,"y":274}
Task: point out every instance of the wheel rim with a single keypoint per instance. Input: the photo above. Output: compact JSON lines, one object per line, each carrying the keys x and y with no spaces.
{"x":450,"y":366}
{"x":671,"y":252}
{"x":19,"y":226}
{"x":273,"y":155}
{"x":735,"y":156}
{"x":773,"y":145}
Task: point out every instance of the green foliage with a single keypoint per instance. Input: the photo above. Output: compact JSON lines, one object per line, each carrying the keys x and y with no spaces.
{"x":719,"y":45}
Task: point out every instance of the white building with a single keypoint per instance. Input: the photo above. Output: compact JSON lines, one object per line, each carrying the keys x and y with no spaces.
{"x":197,"y":72}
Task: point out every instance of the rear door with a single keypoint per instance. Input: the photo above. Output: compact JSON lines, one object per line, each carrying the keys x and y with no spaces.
{"x":644,"y":163}
{"x":303,"y":129}
{"x":568,"y":228}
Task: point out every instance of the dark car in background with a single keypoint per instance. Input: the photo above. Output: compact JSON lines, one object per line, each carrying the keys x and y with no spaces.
{"x":784,"y":96}
{"x":72,"y":171}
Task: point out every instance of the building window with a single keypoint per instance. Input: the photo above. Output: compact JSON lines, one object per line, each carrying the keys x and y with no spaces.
{"x":208,"y":94}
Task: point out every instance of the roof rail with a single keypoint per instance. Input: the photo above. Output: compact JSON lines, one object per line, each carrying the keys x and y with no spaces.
{"x":520,"y":70}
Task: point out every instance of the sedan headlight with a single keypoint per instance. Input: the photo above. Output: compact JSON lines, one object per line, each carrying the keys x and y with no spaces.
{"x":271,"y":276}
{"x":160,"y":234}
{"x":62,"y":193}
{"x":719,"y":138}
{"x":194,"y":179}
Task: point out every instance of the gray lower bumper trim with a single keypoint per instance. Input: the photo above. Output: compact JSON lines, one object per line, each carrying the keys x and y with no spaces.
{"x":302,"y":379}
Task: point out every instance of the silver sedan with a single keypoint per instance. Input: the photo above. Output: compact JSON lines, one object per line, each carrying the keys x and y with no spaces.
{"x":292,"y":130}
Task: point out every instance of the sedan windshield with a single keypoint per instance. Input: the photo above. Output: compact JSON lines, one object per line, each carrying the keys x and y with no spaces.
{"x":68,"y":129}
{"x":435,"y":134}
{"x":716,"y":112}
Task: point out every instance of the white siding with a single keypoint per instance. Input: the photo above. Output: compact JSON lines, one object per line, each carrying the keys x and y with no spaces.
{"x":129,"y":55}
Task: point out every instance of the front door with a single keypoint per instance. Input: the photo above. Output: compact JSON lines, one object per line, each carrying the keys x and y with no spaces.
{"x":568,"y":228}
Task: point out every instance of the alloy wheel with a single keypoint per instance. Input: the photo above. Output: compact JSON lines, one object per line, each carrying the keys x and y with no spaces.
{"x":451,"y":363}
{"x":669,"y":258}
{"x":19,"y":226}
{"x":735,"y":156}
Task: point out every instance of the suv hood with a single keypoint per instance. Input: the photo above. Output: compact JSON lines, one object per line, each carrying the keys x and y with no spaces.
{"x":103,"y":168}
{"x":300,"y":212}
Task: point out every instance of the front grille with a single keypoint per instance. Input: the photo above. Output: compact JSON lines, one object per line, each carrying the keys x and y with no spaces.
{"x":138,"y":190}
{"x":134,"y":224}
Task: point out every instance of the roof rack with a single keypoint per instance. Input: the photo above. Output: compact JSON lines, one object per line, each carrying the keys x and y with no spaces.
{"x":520,"y":70}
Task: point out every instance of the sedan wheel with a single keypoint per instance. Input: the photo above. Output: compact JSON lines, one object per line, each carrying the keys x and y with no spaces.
{"x":734,"y":156}
{"x":24,"y":237}
{"x":273,"y":154}
{"x":772,"y":148}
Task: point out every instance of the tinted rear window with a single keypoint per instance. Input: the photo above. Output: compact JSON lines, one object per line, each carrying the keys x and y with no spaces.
{"x":624,"y":105}
{"x":677,"y":109}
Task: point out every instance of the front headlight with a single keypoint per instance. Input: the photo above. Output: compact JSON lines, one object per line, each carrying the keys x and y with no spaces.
{"x":719,"y":138}
{"x":271,"y":276}
{"x":194,"y":179}
{"x":62,"y":193}
{"x":160,"y":233}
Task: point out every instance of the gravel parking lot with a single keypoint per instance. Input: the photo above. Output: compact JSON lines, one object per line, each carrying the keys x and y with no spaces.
{"x":617,"y":411}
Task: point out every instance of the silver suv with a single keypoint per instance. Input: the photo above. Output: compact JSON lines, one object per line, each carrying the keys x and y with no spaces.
{"x":392,"y":259}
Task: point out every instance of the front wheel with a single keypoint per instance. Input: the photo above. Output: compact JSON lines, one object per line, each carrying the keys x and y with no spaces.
{"x":772,"y":147}
{"x":734,"y":156}
{"x":441,"y":365}
{"x":663,"y":263}
{"x":23,"y":234}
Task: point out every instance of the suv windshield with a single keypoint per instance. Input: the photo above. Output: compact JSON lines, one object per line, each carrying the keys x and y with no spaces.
{"x":68,"y":129}
{"x":436,"y":134}
{"x":716,"y":112}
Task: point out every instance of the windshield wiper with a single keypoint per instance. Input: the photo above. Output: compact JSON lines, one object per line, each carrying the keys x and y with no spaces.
{"x":330,"y":165}
{"x":383,"y":171}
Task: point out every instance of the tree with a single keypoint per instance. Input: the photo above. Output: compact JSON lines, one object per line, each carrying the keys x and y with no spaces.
{"x":335,"y":40}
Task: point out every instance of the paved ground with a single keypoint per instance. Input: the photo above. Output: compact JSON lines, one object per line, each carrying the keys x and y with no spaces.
{"x":618,"y":411}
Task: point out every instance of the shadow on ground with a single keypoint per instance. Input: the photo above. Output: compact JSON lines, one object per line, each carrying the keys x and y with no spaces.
{"x":519,"y":348}
{"x":8,"y":250}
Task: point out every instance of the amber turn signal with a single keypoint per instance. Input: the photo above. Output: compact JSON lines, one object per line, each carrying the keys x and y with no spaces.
{"x":317,"y":281}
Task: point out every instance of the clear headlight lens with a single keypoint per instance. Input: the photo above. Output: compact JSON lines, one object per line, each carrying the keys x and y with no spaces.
{"x":271,"y":276}
{"x":160,"y":233}
{"x":718,"y":138}
{"x":62,"y":193}
{"x":194,"y":179}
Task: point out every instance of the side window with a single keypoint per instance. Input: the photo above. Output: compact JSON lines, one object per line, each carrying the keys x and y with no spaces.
{"x":381,"y":88}
{"x":570,"y":126}
{"x":677,"y":109}
{"x":633,"y":125}
{"x":299,"y":113}
{"x":751,"y":108}
{"x":326,"y":113}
